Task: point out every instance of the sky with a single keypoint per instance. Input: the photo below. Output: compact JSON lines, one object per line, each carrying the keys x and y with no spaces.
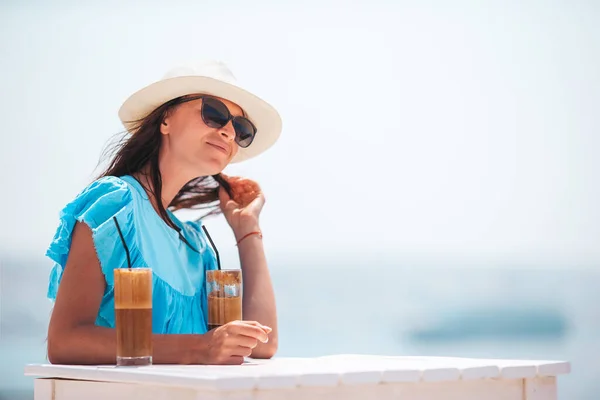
{"x":412,"y":130}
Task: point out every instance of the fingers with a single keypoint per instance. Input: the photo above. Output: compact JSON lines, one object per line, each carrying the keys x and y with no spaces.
{"x":247,"y":195}
{"x":243,"y":185}
{"x":223,"y":196}
{"x":248,"y":187}
{"x":233,"y":360}
{"x":252,"y":330}
{"x":225,"y":181}
{"x":245,"y":341}
{"x":239,"y":181}
{"x":227,"y":204}
{"x":243,"y":192}
{"x":241,"y":351}
{"x":257,"y":204}
{"x":266,"y":328}
{"x":235,"y":340}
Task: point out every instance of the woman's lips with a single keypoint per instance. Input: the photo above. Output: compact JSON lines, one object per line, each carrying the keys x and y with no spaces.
{"x":219,"y":147}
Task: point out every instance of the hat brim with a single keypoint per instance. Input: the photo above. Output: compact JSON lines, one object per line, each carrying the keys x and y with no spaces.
{"x":264,"y":116}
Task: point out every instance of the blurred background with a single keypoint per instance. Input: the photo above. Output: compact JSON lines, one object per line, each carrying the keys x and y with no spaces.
{"x":435,"y":190}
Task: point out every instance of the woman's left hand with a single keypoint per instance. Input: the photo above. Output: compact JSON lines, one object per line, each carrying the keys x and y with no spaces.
{"x":243,"y":208}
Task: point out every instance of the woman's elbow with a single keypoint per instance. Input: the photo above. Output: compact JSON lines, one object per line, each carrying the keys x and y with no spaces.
{"x":54,"y":350}
{"x":57,"y":348}
{"x":267,"y":350}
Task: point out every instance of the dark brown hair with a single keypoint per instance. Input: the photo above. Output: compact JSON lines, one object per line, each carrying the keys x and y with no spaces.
{"x":138,"y":153}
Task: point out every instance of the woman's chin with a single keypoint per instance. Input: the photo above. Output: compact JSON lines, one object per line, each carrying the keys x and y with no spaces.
{"x":211,"y":167}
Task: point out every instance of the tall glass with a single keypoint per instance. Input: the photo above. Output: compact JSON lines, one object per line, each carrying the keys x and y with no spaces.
{"x":224,"y":289}
{"x":133,"y":310}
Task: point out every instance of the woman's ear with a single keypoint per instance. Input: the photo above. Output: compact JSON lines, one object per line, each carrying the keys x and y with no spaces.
{"x":164,"y":125}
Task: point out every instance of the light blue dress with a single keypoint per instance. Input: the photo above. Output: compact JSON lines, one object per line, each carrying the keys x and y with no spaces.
{"x":179,"y":293}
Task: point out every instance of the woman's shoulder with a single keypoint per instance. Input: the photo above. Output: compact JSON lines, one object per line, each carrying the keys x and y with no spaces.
{"x":104,"y":188}
{"x":106,"y":206}
{"x":99,"y":200}
{"x":98,"y":205}
{"x":115,"y":187}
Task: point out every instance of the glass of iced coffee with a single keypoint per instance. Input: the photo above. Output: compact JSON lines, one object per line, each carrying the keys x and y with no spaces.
{"x":224,"y":290}
{"x":133,"y":310}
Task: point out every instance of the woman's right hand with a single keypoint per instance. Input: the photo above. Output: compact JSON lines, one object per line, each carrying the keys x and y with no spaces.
{"x":230,"y":343}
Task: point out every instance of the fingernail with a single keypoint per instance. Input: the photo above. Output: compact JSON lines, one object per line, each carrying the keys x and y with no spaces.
{"x":267,"y":340}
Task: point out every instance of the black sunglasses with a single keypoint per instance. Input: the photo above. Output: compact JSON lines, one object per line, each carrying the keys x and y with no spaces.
{"x":216,"y":115}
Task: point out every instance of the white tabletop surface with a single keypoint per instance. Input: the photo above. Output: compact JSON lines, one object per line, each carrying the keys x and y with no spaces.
{"x":345,"y":369}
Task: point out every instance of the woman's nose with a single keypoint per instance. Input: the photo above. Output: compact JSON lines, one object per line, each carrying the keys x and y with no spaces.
{"x":228,"y":131}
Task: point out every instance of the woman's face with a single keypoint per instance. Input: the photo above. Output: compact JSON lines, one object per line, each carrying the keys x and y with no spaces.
{"x":195,"y":146}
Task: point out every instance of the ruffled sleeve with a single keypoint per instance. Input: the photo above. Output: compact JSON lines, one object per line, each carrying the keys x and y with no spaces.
{"x":97,"y":206}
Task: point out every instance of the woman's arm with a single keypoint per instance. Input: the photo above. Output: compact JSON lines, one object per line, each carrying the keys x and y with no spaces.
{"x":259,"y":298}
{"x":242,"y":213}
{"x":73,"y":337}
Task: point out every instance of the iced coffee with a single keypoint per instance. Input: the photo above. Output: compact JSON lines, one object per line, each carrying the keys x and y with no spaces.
{"x":224,"y":289}
{"x":133,"y":310}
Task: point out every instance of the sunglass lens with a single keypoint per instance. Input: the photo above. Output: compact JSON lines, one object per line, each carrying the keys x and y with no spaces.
{"x":214,"y":113}
{"x":244,"y":131}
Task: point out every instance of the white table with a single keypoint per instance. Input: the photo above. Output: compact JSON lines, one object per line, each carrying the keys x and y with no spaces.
{"x":332,"y":377}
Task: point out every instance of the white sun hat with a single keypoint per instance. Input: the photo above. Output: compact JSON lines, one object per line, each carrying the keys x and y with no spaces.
{"x":212,"y":78}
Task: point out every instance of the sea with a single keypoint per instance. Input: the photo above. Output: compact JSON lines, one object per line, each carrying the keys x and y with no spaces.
{"x":388,"y":307}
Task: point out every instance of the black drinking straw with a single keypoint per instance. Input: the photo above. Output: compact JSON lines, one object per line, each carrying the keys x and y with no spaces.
{"x":123,"y":240}
{"x":213,"y":246}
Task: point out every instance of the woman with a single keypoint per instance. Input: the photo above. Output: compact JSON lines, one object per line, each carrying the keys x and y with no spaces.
{"x":184,"y":130}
